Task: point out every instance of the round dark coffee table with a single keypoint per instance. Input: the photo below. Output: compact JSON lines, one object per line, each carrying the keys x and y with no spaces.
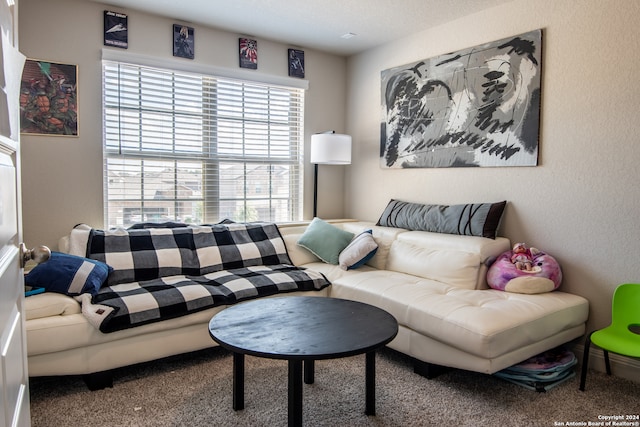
{"x":302,"y":329}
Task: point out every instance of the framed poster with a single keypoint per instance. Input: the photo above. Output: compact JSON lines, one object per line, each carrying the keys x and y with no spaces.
{"x":248,"y":53}
{"x":296,"y":63}
{"x":479,"y":106}
{"x":116,"y":30}
{"x":183,"y":41}
{"x":49,"y":98}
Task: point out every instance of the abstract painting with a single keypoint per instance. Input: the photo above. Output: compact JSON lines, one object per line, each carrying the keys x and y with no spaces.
{"x":476,"y":107}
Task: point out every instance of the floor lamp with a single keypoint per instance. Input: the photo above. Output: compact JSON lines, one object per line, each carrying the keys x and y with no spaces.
{"x":328,"y":149}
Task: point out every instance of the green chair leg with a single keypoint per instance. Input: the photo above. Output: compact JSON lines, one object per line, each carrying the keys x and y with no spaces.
{"x":585,"y":361}
{"x":607,"y":364}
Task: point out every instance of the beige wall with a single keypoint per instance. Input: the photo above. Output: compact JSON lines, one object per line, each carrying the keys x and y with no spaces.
{"x":581,"y":204}
{"x":62,"y":176}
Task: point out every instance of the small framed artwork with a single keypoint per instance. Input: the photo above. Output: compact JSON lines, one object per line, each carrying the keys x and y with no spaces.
{"x":49,"y":98}
{"x":116,"y":30}
{"x":296,"y":63}
{"x":183,"y":41}
{"x":248,"y":53}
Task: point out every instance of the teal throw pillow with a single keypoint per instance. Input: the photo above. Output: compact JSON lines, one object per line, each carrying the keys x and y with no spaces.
{"x":324,"y":240}
{"x":69,"y":274}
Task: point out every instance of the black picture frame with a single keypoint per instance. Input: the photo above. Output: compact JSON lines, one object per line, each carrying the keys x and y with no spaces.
{"x":116,"y":29}
{"x":296,"y":63}
{"x":183,"y":41}
{"x":248,"y":53}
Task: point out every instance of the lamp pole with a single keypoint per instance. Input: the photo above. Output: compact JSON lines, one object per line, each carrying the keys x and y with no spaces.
{"x":315,"y":190}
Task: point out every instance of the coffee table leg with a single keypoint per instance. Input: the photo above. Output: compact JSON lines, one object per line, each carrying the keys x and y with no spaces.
{"x":238,"y":381}
{"x":295,"y":393}
{"x":309,"y":371}
{"x":370,"y":383}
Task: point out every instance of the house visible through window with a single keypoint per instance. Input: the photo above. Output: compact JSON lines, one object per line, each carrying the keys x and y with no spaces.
{"x":198,"y":148}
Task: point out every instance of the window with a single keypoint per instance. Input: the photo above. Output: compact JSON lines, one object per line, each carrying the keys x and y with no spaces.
{"x":198,"y":149}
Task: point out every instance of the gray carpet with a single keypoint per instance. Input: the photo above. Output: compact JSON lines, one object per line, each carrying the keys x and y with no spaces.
{"x":195,"y":390}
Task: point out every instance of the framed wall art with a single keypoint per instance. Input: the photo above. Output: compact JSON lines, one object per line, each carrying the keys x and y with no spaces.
{"x":296,"y":63}
{"x":49,"y":98}
{"x":183,"y":41}
{"x":475,"y":107}
{"x":248,"y":53}
{"x":116,"y":30}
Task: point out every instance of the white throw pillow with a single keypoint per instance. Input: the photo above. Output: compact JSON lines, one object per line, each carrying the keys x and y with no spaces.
{"x":361,"y":249}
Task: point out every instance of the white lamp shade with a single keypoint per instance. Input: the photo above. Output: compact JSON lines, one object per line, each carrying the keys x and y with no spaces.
{"x":330,"y":149}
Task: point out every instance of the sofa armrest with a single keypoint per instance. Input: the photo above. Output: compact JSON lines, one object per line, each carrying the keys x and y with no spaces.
{"x":50,"y":304}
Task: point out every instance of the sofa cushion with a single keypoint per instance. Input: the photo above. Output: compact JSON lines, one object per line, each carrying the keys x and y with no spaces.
{"x":457,"y":268}
{"x":69,"y":274}
{"x":325,"y":240}
{"x":384,"y":237}
{"x":478,"y":219}
{"x":298,"y":254}
{"x":50,"y":304}
{"x":486,"y":323}
{"x":455,"y":260}
{"x":361,"y":249}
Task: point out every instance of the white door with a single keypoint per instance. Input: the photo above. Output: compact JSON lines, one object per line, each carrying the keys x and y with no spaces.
{"x":14,"y":385}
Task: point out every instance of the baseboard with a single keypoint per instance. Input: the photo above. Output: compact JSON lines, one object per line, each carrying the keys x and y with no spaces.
{"x":621,"y":366}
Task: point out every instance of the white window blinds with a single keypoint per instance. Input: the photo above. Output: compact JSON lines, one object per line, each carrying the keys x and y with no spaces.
{"x":198,"y":148}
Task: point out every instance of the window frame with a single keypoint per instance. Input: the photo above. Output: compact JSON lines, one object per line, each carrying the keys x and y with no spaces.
{"x":209,"y":156}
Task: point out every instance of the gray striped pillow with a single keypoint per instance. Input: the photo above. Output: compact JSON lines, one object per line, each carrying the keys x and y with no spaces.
{"x":475,"y":219}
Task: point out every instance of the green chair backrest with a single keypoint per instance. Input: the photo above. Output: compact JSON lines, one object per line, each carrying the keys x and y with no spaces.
{"x":626,"y":306}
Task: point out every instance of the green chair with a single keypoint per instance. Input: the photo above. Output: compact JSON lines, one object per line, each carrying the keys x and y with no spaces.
{"x":622,"y":336}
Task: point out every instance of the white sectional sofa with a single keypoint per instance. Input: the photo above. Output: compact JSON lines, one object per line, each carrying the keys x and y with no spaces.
{"x":434,"y":284}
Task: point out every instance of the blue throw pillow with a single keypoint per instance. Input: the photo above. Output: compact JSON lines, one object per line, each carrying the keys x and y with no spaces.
{"x":69,"y":274}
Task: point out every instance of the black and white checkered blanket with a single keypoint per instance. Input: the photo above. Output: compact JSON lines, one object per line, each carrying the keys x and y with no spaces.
{"x":145,"y":254}
{"x":134,"y":304}
{"x":163,"y":273}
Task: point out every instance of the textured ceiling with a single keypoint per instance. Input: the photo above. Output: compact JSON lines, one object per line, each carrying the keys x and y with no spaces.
{"x":318,"y":24}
